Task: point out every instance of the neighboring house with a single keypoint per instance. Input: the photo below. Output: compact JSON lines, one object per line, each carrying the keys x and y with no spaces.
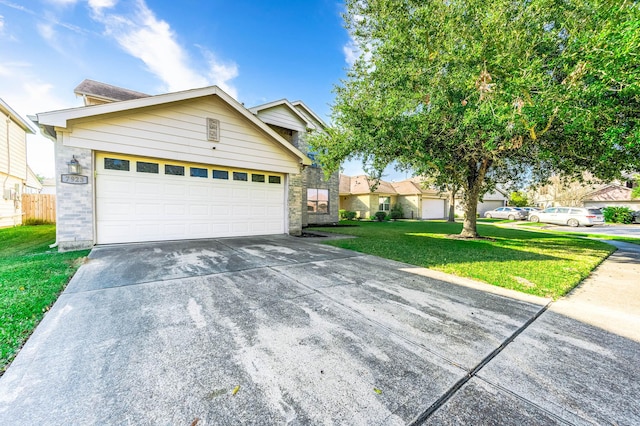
{"x":578,"y":194}
{"x":612,"y":195}
{"x":490,"y":201}
{"x":32,"y":184}
{"x":48,"y":186}
{"x":417,"y":203}
{"x":293,"y":121}
{"x":183,"y":165}
{"x":14,"y":172}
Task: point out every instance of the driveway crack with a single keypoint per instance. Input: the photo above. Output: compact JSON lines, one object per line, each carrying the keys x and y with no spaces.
{"x":422,"y":417}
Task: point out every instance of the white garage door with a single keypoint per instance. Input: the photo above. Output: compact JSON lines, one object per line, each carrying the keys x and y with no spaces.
{"x":432,"y":209}
{"x":141,"y":199}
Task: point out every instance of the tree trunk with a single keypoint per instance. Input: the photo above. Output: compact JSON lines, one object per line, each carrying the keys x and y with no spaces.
{"x":475,"y":178}
{"x":469,"y":229}
{"x":452,"y":205}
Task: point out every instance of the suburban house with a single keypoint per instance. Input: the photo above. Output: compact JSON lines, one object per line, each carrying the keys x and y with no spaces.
{"x":292,"y":121}
{"x":490,"y":201}
{"x":417,"y":202}
{"x":588,"y":193}
{"x":15,"y":175}
{"x":612,"y":195}
{"x":192,"y":164}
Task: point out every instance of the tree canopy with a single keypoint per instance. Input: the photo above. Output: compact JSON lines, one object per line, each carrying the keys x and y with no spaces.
{"x":474,"y":93}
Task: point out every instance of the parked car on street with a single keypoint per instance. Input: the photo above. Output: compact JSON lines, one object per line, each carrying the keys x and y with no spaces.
{"x":530,"y":209}
{"x":511,"y":213}
{"x":572,"y":216}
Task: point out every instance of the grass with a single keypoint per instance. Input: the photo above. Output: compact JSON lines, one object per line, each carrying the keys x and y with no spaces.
{"x":31,"y":277}
{"x":543,"y":264}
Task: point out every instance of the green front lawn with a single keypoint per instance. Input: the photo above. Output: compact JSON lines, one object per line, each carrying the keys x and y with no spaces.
{"x":544,"y":264}
{"x":31,"y":277}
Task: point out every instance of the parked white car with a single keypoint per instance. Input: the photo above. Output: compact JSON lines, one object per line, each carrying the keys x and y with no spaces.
{"x":572,"y":216}
{"x":511,"y":213}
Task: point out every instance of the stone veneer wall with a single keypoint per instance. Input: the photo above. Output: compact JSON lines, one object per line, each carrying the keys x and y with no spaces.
{"x":314,"y":178}
{"x":74,"y":203}
{"x":294,"y":191}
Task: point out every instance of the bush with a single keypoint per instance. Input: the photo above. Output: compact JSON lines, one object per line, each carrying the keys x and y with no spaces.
{"x":347,"y":215}
{"x":396,"y":212}
{"x":380,"y":216}
{"x":617,"y":214}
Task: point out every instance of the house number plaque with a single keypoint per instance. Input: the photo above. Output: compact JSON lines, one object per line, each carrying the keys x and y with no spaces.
{"x":75,"y":179}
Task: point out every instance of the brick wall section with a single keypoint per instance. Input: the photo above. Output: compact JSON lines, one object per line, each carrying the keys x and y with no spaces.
{"x":294,"y":189}
{"x":314,"y":178}
{"x":74,"y":209}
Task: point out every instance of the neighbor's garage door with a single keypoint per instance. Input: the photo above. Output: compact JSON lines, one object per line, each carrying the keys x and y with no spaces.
{"x":432,"y":209}
{"x":141,"y":199}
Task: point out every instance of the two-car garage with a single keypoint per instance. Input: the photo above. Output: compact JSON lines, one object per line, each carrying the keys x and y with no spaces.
{"x":142,"y":199}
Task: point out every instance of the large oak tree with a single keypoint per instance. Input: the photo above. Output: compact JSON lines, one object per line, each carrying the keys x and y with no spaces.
{"x":473,"y":93}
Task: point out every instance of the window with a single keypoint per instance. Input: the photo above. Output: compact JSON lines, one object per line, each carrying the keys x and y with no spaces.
{"x":385,"y":204}
{"x":257,"y":178}
{"x":173,"y":170}
{"x":240,"y":176}
{"x":220,"y":174}
{"x":142,"y":167}
{"x":274,"y":179}
{"x":116,"y":164}
{"x":198,"y":172}
{"x":318,"y":201}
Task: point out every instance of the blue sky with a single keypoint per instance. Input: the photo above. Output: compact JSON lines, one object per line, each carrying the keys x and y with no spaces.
{"x":257,"y":51}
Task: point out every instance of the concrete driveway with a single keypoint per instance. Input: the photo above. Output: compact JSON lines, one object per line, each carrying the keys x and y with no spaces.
{"x":272,"y":330}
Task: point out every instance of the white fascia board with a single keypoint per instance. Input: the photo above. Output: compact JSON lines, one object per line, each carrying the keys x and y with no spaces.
{"x":24,"y":124}
{"x":256,"y":109}
{"x":61,"y":118}
{"x":310,"y":112}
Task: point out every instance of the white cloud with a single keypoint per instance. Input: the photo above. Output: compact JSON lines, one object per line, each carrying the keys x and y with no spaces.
{"x":46,"y":31}
{"x":1,"y":24}
{"x":62,"y":2}
{"x":351,"y":52}
{"x":144,"y":36}
{"x":98,"y":5}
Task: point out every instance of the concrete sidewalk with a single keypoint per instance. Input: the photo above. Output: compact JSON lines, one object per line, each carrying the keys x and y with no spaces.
{"x":275,"y":330}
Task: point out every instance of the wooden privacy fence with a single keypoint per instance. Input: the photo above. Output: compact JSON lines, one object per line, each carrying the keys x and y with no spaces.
{"x":38,"y":207}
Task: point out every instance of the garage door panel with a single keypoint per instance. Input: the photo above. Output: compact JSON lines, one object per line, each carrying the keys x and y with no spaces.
{"x":134,"y":206}
{"x":432,"y":209}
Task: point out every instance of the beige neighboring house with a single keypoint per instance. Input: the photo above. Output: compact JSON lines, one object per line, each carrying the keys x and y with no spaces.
{"x":612,"y":195}
{"x":15,"y":175}
{"x":48,"y":186}
{"x":32,"y":184}
{"x":417,"y":203}
{"x":184,"y":165}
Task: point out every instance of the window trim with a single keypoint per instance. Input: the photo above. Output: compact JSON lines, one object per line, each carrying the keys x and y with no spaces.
{"x":316,"y":202}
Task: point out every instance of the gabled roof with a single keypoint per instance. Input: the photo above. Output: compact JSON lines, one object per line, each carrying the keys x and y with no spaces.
{"x":283,"y":102}
{"x":362,"y":185}
{"x":106,"y":92}
{"x":610,"y":192}
{"x":306,"y":110}
{"x":61,"y":118}
{"x":24,"y":124}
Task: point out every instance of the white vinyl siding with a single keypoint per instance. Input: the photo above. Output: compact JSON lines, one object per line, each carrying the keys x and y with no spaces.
{"x":178,"y":131}
{"x":13,"y":162}
{"x":282,"y":116}
{"x":133,"y":206}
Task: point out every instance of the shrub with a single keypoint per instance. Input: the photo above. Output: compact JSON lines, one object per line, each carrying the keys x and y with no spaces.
{"x":396,"y":212}
{"x":617,"y":214}
{"x":380,"y":216}
{"x":351,"y":215}
{"x":342,"y":213}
